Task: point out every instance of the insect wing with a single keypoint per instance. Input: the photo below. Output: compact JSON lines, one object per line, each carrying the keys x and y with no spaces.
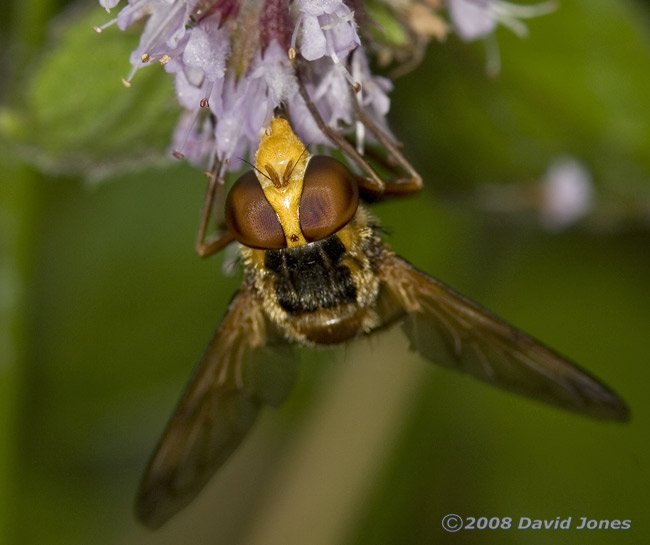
{"x":244,"y":366}
{"x":449,"y":329}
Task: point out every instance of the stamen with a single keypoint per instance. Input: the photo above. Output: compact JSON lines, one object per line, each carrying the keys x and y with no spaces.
{"x":208,"y":91}
{"x":515,"y":25}
{"x":492,"y":56}
{"x":176,"y":8}
{"x":360,"y":129}
{"x":179,"y":152}
{"x":216,"y":164}
{"x":147,"y":58}
{"x":356,"y":85}
{"x":523,"y":11}
{"x":100,"y":29}
{"x":127,"y":81}
{"x":162,"y":28}
{"x":508,"y":14}
{"x":294,"y":35}
{"x":360,"y":135}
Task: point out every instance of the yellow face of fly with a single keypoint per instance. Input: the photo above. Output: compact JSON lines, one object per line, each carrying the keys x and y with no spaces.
{"x":281,"y":160}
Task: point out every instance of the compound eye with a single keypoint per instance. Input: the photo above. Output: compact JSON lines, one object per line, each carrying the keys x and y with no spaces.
{"x":250,"y":217}
{"x":330,"y":197}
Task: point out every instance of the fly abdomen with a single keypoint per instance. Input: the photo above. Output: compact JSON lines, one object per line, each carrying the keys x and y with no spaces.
{"x":311,"y":277}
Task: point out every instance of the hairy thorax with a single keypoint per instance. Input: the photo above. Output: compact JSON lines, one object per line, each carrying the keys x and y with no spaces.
{"x":322,"y":292}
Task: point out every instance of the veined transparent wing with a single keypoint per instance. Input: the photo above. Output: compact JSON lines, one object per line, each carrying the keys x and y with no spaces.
{"x":245,"y":366}
{"x":449,"y":329}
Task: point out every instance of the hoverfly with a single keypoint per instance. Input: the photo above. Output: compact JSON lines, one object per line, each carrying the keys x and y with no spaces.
{"x":317,"y":272}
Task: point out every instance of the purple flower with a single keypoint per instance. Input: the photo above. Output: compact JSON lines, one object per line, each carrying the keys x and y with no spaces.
{"x":328,"y":29}
{"x":475,"y":19}
{"x":233,"y":63}
{"x":567,"y":194}
{"x":109,"y":4}
{"x":331,"y":93}
{"x":236,"y":61}
{"x":472,"y":19}
{"x":207,"y":49}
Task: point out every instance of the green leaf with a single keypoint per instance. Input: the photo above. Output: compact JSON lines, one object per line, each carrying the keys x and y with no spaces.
{"x":77,"y":118}
{"x":577,"y":85}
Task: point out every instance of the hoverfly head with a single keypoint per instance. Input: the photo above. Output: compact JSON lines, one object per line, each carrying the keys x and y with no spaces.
{"x":292,"y":198}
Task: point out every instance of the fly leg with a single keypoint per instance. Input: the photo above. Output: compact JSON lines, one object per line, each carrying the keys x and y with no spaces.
{"x":213,"y":194}
{"x":371,"y":183}
{"x":395,"y":187}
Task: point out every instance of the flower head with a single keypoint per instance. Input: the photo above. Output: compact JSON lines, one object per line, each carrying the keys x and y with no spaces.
{"x":236,"y":62}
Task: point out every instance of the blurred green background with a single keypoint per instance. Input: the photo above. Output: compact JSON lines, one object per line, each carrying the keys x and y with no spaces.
{"x":105,"y":307}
